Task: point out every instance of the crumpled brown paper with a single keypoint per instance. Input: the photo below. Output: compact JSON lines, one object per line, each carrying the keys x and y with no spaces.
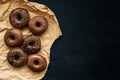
{"x":8,"y":72}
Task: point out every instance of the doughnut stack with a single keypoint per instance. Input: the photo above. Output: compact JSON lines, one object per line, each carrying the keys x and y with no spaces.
{"x":23,"y":51}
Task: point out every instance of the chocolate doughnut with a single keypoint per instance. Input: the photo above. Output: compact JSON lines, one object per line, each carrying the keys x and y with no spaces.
{"x":31,"y":44}
{"x":19,"y":18}
{"x":38,"y":25}
{"x":16,"y":57}
{"x":13,"y":37}
{"x":36,"y":63}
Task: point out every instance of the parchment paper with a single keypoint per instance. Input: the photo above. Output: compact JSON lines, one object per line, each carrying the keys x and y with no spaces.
{"x":8,"y":72}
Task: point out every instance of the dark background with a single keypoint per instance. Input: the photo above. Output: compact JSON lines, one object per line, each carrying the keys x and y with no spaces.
{"x":89,"y":48}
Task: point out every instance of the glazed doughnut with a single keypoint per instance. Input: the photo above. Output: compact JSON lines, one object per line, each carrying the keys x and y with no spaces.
{"x":31,"y":44}
{"x":16,"y":57}
{"x":38,"y":25}
{"x":13,"y":37}
{"x":36,"y":63}
{"x":19,"y":18}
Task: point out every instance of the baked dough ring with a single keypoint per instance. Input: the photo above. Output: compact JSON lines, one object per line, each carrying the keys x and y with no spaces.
{"x":36,"y":63}
{"x":31,"y":44}
{"x":13,"y":37}
{"x":19,"y":18}
{"x":16,"y":57}
{"x":38,"y":25}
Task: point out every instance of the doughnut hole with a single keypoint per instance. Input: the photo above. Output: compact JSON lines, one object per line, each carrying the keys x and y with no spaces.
{"x":31,"y":43}
{"x":12,"y":37}
{"x":16,"y":57}
{"x":37,"y":24}
{"x":19,"y":16}
{"x":36,"y":62}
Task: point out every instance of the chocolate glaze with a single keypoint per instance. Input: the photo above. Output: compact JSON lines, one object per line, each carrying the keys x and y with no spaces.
{"x":19,"y":18}
{"x":13,"y":37}
{"x":38,"y":25}
{"x":16,"y":57}
{"x":31,"y":44}
{"x":36,"y":63}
